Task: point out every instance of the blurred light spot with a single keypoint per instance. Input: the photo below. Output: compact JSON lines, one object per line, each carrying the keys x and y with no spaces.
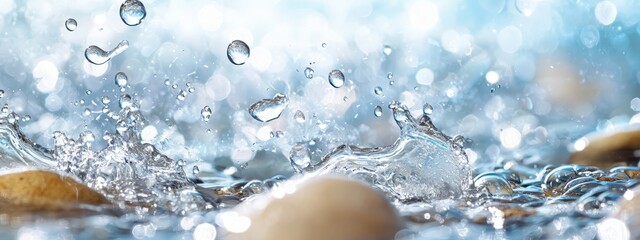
{"x":423,"y":16}
{"x":424,"y":76}
{"x":611,"y":228}
{"x":635,"y":104}
{"x":30,"y":233}
{"x":95,"y":70}
{"x":204,"y":231}
{"x":260,"y":58}
{"x":628,"y":195}
{"x":218,"y":87}
{"x":590,"y":36}
{"x":510,"y":138}
{"x":46,"y":75}
{"x":53,"y":102}
{"x":471,"y":155}
{"x":233,"y":222}
{"x":606,"y":12}
{"x":148,"y":133}
{"x":581,"y":144}
{"x":510,"y":39}
{"x":210,"y":18}
{"x":492,"y":77}
{"x":264,"y":133}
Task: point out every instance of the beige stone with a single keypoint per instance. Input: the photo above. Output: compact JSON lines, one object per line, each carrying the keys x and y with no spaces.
{"x":610,"y":150}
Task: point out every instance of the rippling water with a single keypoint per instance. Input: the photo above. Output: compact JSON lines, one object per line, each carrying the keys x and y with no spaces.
{"x":177,"y":111}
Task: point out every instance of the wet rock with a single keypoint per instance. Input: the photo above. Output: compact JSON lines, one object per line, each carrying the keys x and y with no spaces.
{"x":326,"y":207}
{"x":607,"y":150}
{"x":43,"y":190}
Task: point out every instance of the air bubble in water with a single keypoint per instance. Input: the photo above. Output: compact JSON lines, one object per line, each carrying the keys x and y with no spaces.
{"x":377,"y":90}
{"x":377,"y":111}
{"x":97,"y":56}
{"x":132,"y":12}
{"x":269,"y":109}
{"x":387,"y":50}
{"x":308,"y":72}
{"x":71,"y":24}
{"x":427,"y":109}
{"x":336,"y":78}
{"x":493,"y":183}
{"x":206,"y":113}
{"x":299,"y":116}
{"x":238,"y":52}
{"x":121,"y":79}
{"x":526,"y":7}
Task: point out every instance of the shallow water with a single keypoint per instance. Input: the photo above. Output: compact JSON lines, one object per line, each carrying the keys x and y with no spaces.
{"x":220,"y":101}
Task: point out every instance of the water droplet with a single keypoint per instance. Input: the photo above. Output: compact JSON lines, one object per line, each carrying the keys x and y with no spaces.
{"x":238,"y":52}
{"x":336,"y":78}
{"x":324,"y":45}
{"x":387,"y":50}
{"x":132,"y":12}
{"x":167,"y":82}
{"x":105,"y":100}
{"x":299,"y":116}
{"x":526,"y":7}
{"x":378,"y":90}
{"x":71,"y":24}
{"x":389,"y":75}
{"x":87,"y":112}
{"x":606,"y":12}
{"x":121,"y":79}
{"x":125,"y":101}
{"x":493,"y":183}
{"x":182,"y":95}
{"x":300,"y":156}
{"x":269,"y":109}
{"x":345,"y":98}
{"x":196,"y":170}
{"x":88,"y":92}
{"x":391,"y":83}
{"x":427,"y":109}
{"x":308,"y":72}
{"x":377,"y":111}
{"x":206,"y":113}
{"x":98,"y":56}
{"x":459,"y":140}
{"x":1,"y":93}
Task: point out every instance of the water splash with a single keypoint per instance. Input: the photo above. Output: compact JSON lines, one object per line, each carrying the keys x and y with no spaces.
{"x":423,"y":164}
{"x":267,"y":110}
{"x":97,"y":56}
{"x":132,"y":12}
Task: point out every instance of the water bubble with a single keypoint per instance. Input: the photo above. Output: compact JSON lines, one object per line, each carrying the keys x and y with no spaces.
{"x":427,"y":109}
{"x":88,"y":92}
{"x":391,"y":83}
{"x":86,"y":112}
{"x":377,"y":90}
{"x":606,"y":12}
{"x":493,"y":183}
{"x":121,"y":79}
{"x":336,"y":78}
{"x":97,"y":56}
{"x":182,"y":95}
{"x":387,"y":50}
{"x":132,"y":12}
{"x":1,"y":93}
{"x":345,"y":98}
{"x":324,"y":45}
{"x":555,"y":180}
{"x":167,"y":82}
{"x":300,"y":156}
{"x":105,"y":100}
{"x":269,"y":109}
{"x":377,"y":111}
{"x":389,"y":75}
{"x":299,"y":116}
{"x":308,"y":72}
{"x":71,"y":24}
{"x":526,"y":7}
{"x":195,"y":170}
{"x":238,"y":52}
{"x":206,"y":113}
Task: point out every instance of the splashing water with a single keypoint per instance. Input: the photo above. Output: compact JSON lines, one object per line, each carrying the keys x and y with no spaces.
{"x":132,"y":12}
{"x":267,"y":110}
{"x":97,"y":56}
{"x":238,"y":52}
{"x":71,"y":24}
{"x":423,"y":164}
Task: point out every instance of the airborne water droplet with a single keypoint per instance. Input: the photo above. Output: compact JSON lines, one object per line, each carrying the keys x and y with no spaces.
{"x":121,"y":79}
{"x":196,"y":170}
{"x":377,"y":111}
{"x":269,"y":109}
{"x":300,"y":156}
{"x":387,"y":50}
{"x":132,"y":12}
{"x":182,"y":95}
{"x":389,"y":75}
{"x":71,"y":24}
{"x":97,"y":56}
{"x":299,"y":116}
{"x":427,"y":109}
{"x":1,"y":93}
{"x":105,"y":100}
{"x":377,"y":90}
{"x":206,"y":113}
{"x":336,"y":78}
{"x":238,"y":52}
{"x":308,"y":72}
